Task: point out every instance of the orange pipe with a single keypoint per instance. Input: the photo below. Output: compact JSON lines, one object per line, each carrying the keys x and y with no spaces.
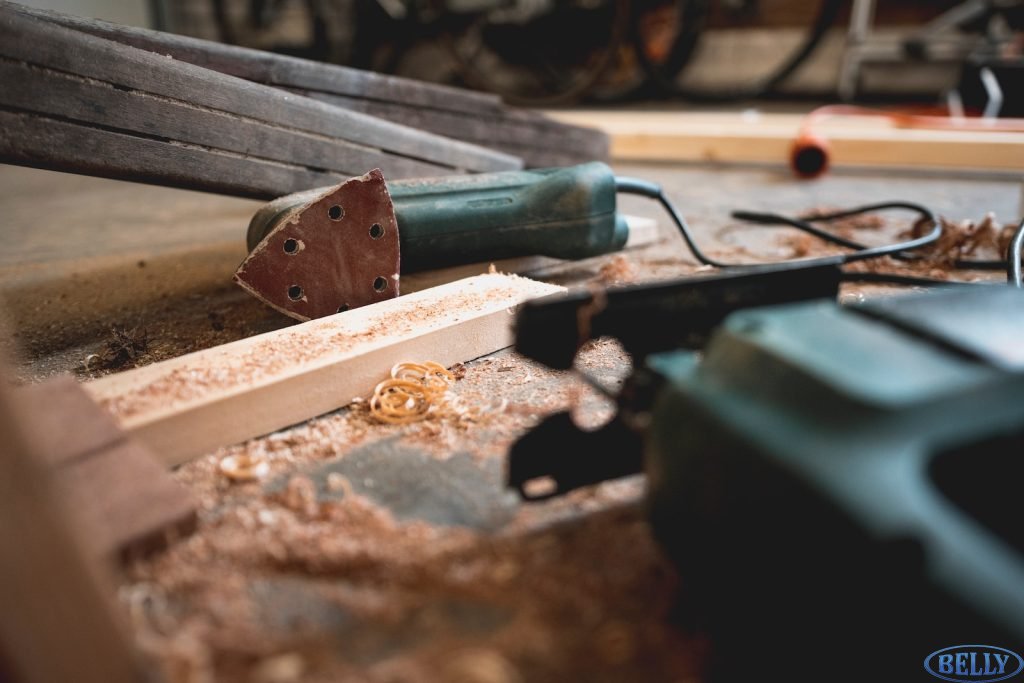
{"x":809,"y":155}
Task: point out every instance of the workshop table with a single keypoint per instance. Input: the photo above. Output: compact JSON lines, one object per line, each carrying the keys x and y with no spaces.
{"x":395,"y":554}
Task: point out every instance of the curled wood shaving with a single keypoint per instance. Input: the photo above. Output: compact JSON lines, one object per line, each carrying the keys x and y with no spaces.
{"x":244,"y":467}
{"x":411,"y":392}
{"x":417,"y":391}
{"x":984,"y":239}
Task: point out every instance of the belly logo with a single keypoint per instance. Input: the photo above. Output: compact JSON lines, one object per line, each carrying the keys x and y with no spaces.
{"x":974,"y":664}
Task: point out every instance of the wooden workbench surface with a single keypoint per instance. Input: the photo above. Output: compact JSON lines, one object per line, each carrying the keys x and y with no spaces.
{"x":421,"y":567}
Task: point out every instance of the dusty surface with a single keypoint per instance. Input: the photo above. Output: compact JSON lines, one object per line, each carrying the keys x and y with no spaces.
{"x":347,"y":592}
{"x":321,"y":571}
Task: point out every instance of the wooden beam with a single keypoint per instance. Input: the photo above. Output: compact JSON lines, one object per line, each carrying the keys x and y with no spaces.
{"x":117,"y":487}
{"x":767,"y":138}
{"x":191,"y":405}
{"x":473,"y":117}
{"x":541,"y":141}
{"x":253,"y":140}
{"x":58,"y":621}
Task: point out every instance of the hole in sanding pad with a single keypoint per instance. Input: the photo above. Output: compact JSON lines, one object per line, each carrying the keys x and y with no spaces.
{"x":342,"y":308}
{"x":291,"y":246}
{"x":376,"y":231}
{"x":336,"y":213}
{"x":295,"y":292}
{"x":380,"y":284}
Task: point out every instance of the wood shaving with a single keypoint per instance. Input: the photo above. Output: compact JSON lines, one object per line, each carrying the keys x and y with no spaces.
{"x":300,"y":496}
{"x":617,"y":270}
{"x":412,"y":392}
{"x":244,"y":467}
{"x":124,"y":349}
{"x":982,"y":240}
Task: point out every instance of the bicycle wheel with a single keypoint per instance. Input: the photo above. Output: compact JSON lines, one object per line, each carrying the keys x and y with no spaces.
{"x":738,"y":49}
{"x":539,"y":52}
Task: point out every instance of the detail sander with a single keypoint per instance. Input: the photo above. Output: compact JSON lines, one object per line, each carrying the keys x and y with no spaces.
{"x":327,"y":250}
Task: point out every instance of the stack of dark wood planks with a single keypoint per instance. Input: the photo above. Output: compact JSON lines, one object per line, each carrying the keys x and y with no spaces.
{"x":91,"y":97}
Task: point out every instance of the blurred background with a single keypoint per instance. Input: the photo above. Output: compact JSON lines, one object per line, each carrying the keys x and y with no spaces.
{"x":613,"y":52}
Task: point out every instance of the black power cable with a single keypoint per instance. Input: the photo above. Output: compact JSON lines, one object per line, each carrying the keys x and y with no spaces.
{"x":898,"y":250}
{"x":654,"y":191}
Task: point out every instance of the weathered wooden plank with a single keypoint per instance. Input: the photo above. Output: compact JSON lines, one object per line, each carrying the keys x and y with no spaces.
{"x":270,"y":68}
{"x":63,"y":422}
{"x":540,"y":141}
{"x":36,"y":41}
{"x":89,"y":101}
{"x":41,"y":142}
{"x":130,"y":499}
{"x":462,"y":114}
{"x":190,"y":405}
{"x":58,"y":621}
{"x":127,"y":501}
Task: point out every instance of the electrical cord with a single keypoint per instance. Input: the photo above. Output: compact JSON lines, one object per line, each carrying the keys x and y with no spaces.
{"x":805,"y":225}
{"x":653,"y":191}
{"x":1012,"y":264}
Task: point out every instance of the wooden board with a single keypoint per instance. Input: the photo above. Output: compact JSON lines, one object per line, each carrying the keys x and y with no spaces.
{"x":144,"y":116}
{"x":188,"y":406}
{"x":116,"y":486}
{"x":58,"y":621}
{"x":767,"y":138}
{"x":474,"y":117}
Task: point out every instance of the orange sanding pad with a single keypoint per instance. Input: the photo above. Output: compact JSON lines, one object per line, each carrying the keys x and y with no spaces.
{"x":335,"y":252}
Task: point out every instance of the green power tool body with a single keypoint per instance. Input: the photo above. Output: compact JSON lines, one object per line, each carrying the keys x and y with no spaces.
{"x":839,"y":481}
{"x":317,"y":252}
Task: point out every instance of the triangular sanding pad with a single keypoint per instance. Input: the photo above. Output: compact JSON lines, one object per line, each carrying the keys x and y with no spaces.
{"x":336,"y":252}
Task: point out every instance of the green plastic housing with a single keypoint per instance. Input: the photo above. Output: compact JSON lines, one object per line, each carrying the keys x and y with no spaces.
{"x":566,"y":213}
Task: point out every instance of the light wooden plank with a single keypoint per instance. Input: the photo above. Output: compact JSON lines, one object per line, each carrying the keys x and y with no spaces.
{"x":190,"y":405}
{"x":767,"y":138}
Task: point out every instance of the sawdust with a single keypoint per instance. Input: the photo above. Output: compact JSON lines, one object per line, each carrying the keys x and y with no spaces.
{"x":124,"y":348}
{"x":847,"y":227}
{"x":984,"y":240}
{"x":367,"y":598}
{"x":617,"y":270}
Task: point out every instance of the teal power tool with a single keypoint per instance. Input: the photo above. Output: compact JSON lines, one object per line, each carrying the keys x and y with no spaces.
{"x":838,"y":485}
{"x":322,"y":251}
{"x":319,"y":252}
